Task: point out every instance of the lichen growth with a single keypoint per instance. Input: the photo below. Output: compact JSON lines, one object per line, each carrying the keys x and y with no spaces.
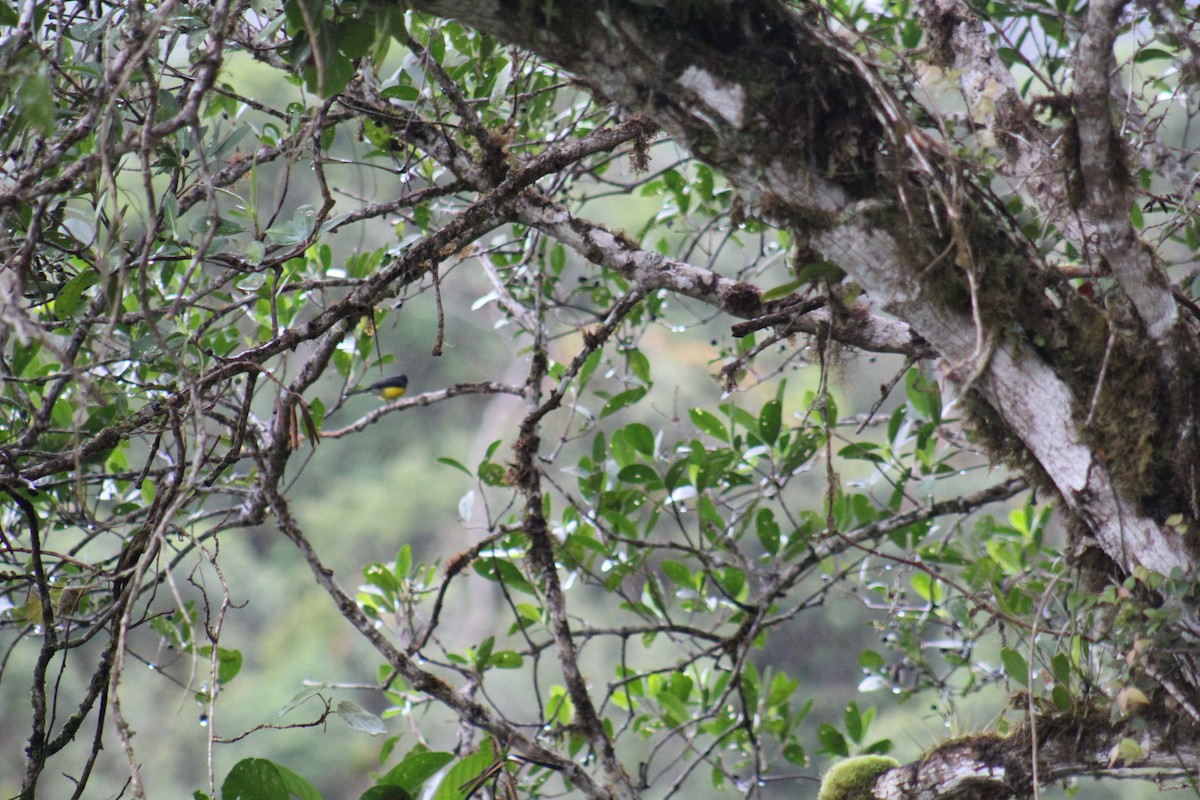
{"x":854,"y":778}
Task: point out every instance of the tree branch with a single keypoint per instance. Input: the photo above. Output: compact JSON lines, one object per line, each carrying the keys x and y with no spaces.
{"x":1107,"y":180}
{"x":991,"y":766}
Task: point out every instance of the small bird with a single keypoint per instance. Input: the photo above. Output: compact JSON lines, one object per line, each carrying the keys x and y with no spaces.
{"x":387,"y":389}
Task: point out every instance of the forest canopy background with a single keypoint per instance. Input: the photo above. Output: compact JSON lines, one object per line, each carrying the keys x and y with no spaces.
{"x":787,"y":381}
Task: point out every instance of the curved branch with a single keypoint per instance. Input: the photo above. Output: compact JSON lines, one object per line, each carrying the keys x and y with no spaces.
{"x":652,"y":270}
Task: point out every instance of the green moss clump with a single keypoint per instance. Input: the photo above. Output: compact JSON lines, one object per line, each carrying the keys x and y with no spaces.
{"x":853,"y":778}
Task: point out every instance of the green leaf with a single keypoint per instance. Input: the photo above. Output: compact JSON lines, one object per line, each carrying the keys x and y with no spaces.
{"x":71,"y":295}
{"x":781,"y":291}
{"x":408,"y":94}
{"x":862,"y":451}
{"x":751,"y":684}
{"x":483,"y":653}
{"x":640,"y":474}
{"x":403,"y":563}
{"x":733,"y":582}
{"x":450,"y":462}
{"x":381,"y":577}
{"x":359,"y":718}
{"x":793,"y":752}
{"x":506,"y":659}
{"x":437,"y":45}
{"x":768,"y":530}
{"x":385,"y":793}
{"x":1015,"y":665}
{"x":460,"y":777}
{"x":302,"y":696}
{"x":639,"y":365}
{"x":1127,"y":752}
{"x":558,"y":258}
{"x":412,"y":773}
{"x":870,"y":660}
{"x":296,"y":785}
{"x":641,"y":437}
{"x":599,"y":448}
{"x":709,"y":514}
{"x":769,"y":421}
{"x":832,"y":740}
{"x":782,"y":688}
{"x":622,"y":449}
{"x":625,"y":398}
{"x":675,"y":711}
{"x":709,"y":423}
{"x":924,"y":395}
{"x":853,"y":722}
{"x":229,"y":662}
{"x":34,"y":98}
{"x":500,"y":88}
{"x":503,"y":571}
{"x":678,"y":573}
{"x":928,"y":587}
{"x":1151,"y":54}
{"x":254,"y":779}
{"x":354,"y":37}
{"x":589,"y":367}
{"x":1061,"y":666}
{"x":295,"y":230}
{"x":817,"y":271}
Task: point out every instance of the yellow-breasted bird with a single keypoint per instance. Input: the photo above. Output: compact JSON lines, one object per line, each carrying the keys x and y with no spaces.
{"x":388,"y":388}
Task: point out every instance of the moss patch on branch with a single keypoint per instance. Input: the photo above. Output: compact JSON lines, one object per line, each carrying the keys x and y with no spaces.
{"x":854,"y":778}
{"x":1125,"y":407}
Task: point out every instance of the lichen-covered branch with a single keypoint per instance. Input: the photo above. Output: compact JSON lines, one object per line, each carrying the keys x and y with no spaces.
{"x":990,"y":766}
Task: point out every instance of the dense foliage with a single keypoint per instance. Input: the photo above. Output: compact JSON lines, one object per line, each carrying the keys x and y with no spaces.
{"x":797,"y":307}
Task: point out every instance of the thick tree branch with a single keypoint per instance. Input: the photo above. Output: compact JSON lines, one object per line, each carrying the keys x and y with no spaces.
{"x":959,"y":45}
{"x":990,"y":766}
{"x":1027,"y":394}
{"x":704,"y":98}
{"x":652,"y":270}
{"x":1107,"y":180}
